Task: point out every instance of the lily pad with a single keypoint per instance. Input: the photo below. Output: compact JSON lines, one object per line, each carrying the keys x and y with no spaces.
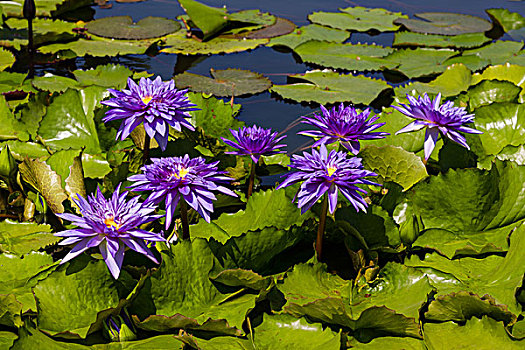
{"x":53,"y":83}
{"x":498,"y":52}
{"x":180,"y":44}
{"x":445,"y":23}
{"x":329,"y":87}
{"x":433,"y":40}
{"x":10,"y":128}
{"x":44,"y":8}
{"x":6,"y":59}
{"x":419,"y":62}
{"x":22,"y":238}
{"x":507,"y":72}
{"x":506,"y":19}
{"x":123,"y":27}
{"x":282,"y":26}
{"x":99,"y":47}
{"x":208,"y":19}
{"x":490,"y":91}
{"x":358,"y":18}
{"x":484,"y":333}
{"x":310,"y":32}
{"x":359,"y":57}
{"x":224,"y":83}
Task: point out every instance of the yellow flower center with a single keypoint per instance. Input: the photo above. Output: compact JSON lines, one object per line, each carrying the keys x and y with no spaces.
{"x":146,"y":99}
{"x":110,"y":222}
{"x":182,"y":173}
{"x":331,"y":170}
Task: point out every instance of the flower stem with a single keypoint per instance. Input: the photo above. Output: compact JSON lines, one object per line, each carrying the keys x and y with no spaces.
{"x":184,"y":219}
{"x":147,"y":144}
{"x":320,"y":229}
{"x":252,"y":180}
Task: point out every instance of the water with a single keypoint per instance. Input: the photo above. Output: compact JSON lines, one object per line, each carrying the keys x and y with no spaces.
{"x":265,"y":109}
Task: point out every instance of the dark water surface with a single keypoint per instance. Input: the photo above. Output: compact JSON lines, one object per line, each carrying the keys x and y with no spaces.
{"x":264,"y":109}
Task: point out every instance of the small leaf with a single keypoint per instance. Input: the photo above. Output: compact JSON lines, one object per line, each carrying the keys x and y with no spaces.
{"x":310,"y":32}
{"x":445,"y":23}
{"x":122,"y":27}
{"x":210,"y":20}
{"x":433,"y":40}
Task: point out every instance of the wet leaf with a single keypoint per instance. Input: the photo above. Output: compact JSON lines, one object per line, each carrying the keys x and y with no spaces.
{"x":489,"y":91}
{"x":210,"y":20}
{"x":419,"y":62}
{"x":123,"y":27}
{"x":10,"y":128}
{"x":506,"y":72}
{"x":224,"y":83}
{"x":508,"y":20}
{"x":310,"y":32}
{"x":6,"y":59}
{"x":178,"y":43}
{"x":53,"y":83}
{"x":359,"y":57}
{"x":22,"y":238}
{"x":98,"y":47}
{"x":498,"y":52}
{"x":433,"y":40}
{"x":329,"y":87}
{"x":394,"y":164}
{"x":109,"y":75}
{"x":445,"y":23}
{"x":358,"y":18}
{"x":10,"y":311}
{"x":281,"y":26}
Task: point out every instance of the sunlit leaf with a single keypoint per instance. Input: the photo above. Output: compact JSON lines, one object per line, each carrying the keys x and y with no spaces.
{"x":22,"y":238}
{"x":123,"y":27}
{"x":445,"y":23}
{"x":433,"y":40}
{"x":310,"y":32}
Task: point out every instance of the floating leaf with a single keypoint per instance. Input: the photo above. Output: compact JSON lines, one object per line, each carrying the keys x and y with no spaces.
{"x":264,"y":209}
{"x":19,"y":274}
{"x":445,"y":23}
{"x":281,"y":26}
{"x":178,"y":43}
{"x":496,"y":53}
{"x":454,"y":80}
{"x":53,"y":83}
{"x":14,"y":82}
{"x":419,"y":62}
{"x":310,"y":32}
{"x":99,"y":47}
{"x":109,"y":75}
{"x":68,"y":165}
{"x":90,"y":281}
{"x":391,"y":343}
{"x":417,"y":39}
{"x":224,"y":83}
{"x":329,"y":87}
{"x":6,"y":59}
{"x":358,"y":18}
{"x":95,"y":166}
{"x":10,"y":311}
{"x":208,"y":19}
{"x":7,"y":339}
{"x":66,"y":124}
{"x":256,"y":17}
{"x":394,"y":164}
{"x":215,"y":116}
{"x":506,"y":19}
{"x":45,"y":30}
{"x":507,"y":72}
{"x":489,"y":91}
{"x":484,"y":333}
{"x":20,"y":149}
{"x":40,"y":175}
{"x":462,"y":306}
{"x":10,"y":128}
{"x":44,"y":8}
{"x":123,"y":27}
{"x":22,"y":238}
{"x":359,"y":57}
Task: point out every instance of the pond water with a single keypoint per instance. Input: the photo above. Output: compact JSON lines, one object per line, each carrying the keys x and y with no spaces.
{"x":264,"y":109}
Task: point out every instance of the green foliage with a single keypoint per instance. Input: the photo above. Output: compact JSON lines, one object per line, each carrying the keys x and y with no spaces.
{"x":122,"y":27}
{"x":445,"y":23}
{"x":310,"y":32}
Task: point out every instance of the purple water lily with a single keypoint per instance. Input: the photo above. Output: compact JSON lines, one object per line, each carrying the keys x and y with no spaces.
{"x":111,"y":224}
{"x":192,"y":179}
{"x":255,"y":142}
{"x":445,"y":118}
{"x":157,"y":104}
{"x":321,"y":172}
{"x":345,"y":125}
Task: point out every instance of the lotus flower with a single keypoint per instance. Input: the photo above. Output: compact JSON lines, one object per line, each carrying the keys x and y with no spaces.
{"x":321,"y":172}
{"x":445,"y":118}
{"x":255,"y":142}
{"x":192,"y":179}
{"x":345,"y":125}
{"x":111,"y":224}
{"x":156,"y":104}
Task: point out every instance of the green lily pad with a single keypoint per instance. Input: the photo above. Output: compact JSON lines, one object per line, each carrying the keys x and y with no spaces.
{"x":10,"y":311}
{"x":95,"y":166}
{"x":454,"y":80}
{"x":462,"y":306}
{"x":109,"y":75}
{"x":178,"y":43}
{"x":45,"y":30}
{"x":498,"y":52}
{"x":210,"y":20}
{"x":53,"y":83}
{"x":310,"y":32}
{"x":123,"y":27}
{"x":282,"y":26}
{"x":14,"y":82}
{"x":394,"y":164}
{"x":506,"y":72}
{"x":490,"y":91}
{"x":7,"y":339}
{"x":391,"y":343}
{"x":359,"y":57}
{"x":20,"y":149}
{"x":6,"y":59}
{"x":98,"y":47}
{"x":419,"y":62}
{"x":216,"y":117}
{"x":90,"y":281}
{"x":10,"y":128}
{"x":44,"y":8}
{"x":358,"y":18}
{"x":19,"y":274}
{"x":22,"y":238}
{"x":484,"y":333}
{"x":264,"y":209}
{"x":224,"y":83}
{"x":329,"y":87}
{"x":506,"y":19}
{"x":255,"y":17}
{"x":433,"y":40}
{"x":445,"y":23}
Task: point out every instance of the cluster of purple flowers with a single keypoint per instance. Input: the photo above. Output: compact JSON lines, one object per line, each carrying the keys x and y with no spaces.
{"x":114,"y":224}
